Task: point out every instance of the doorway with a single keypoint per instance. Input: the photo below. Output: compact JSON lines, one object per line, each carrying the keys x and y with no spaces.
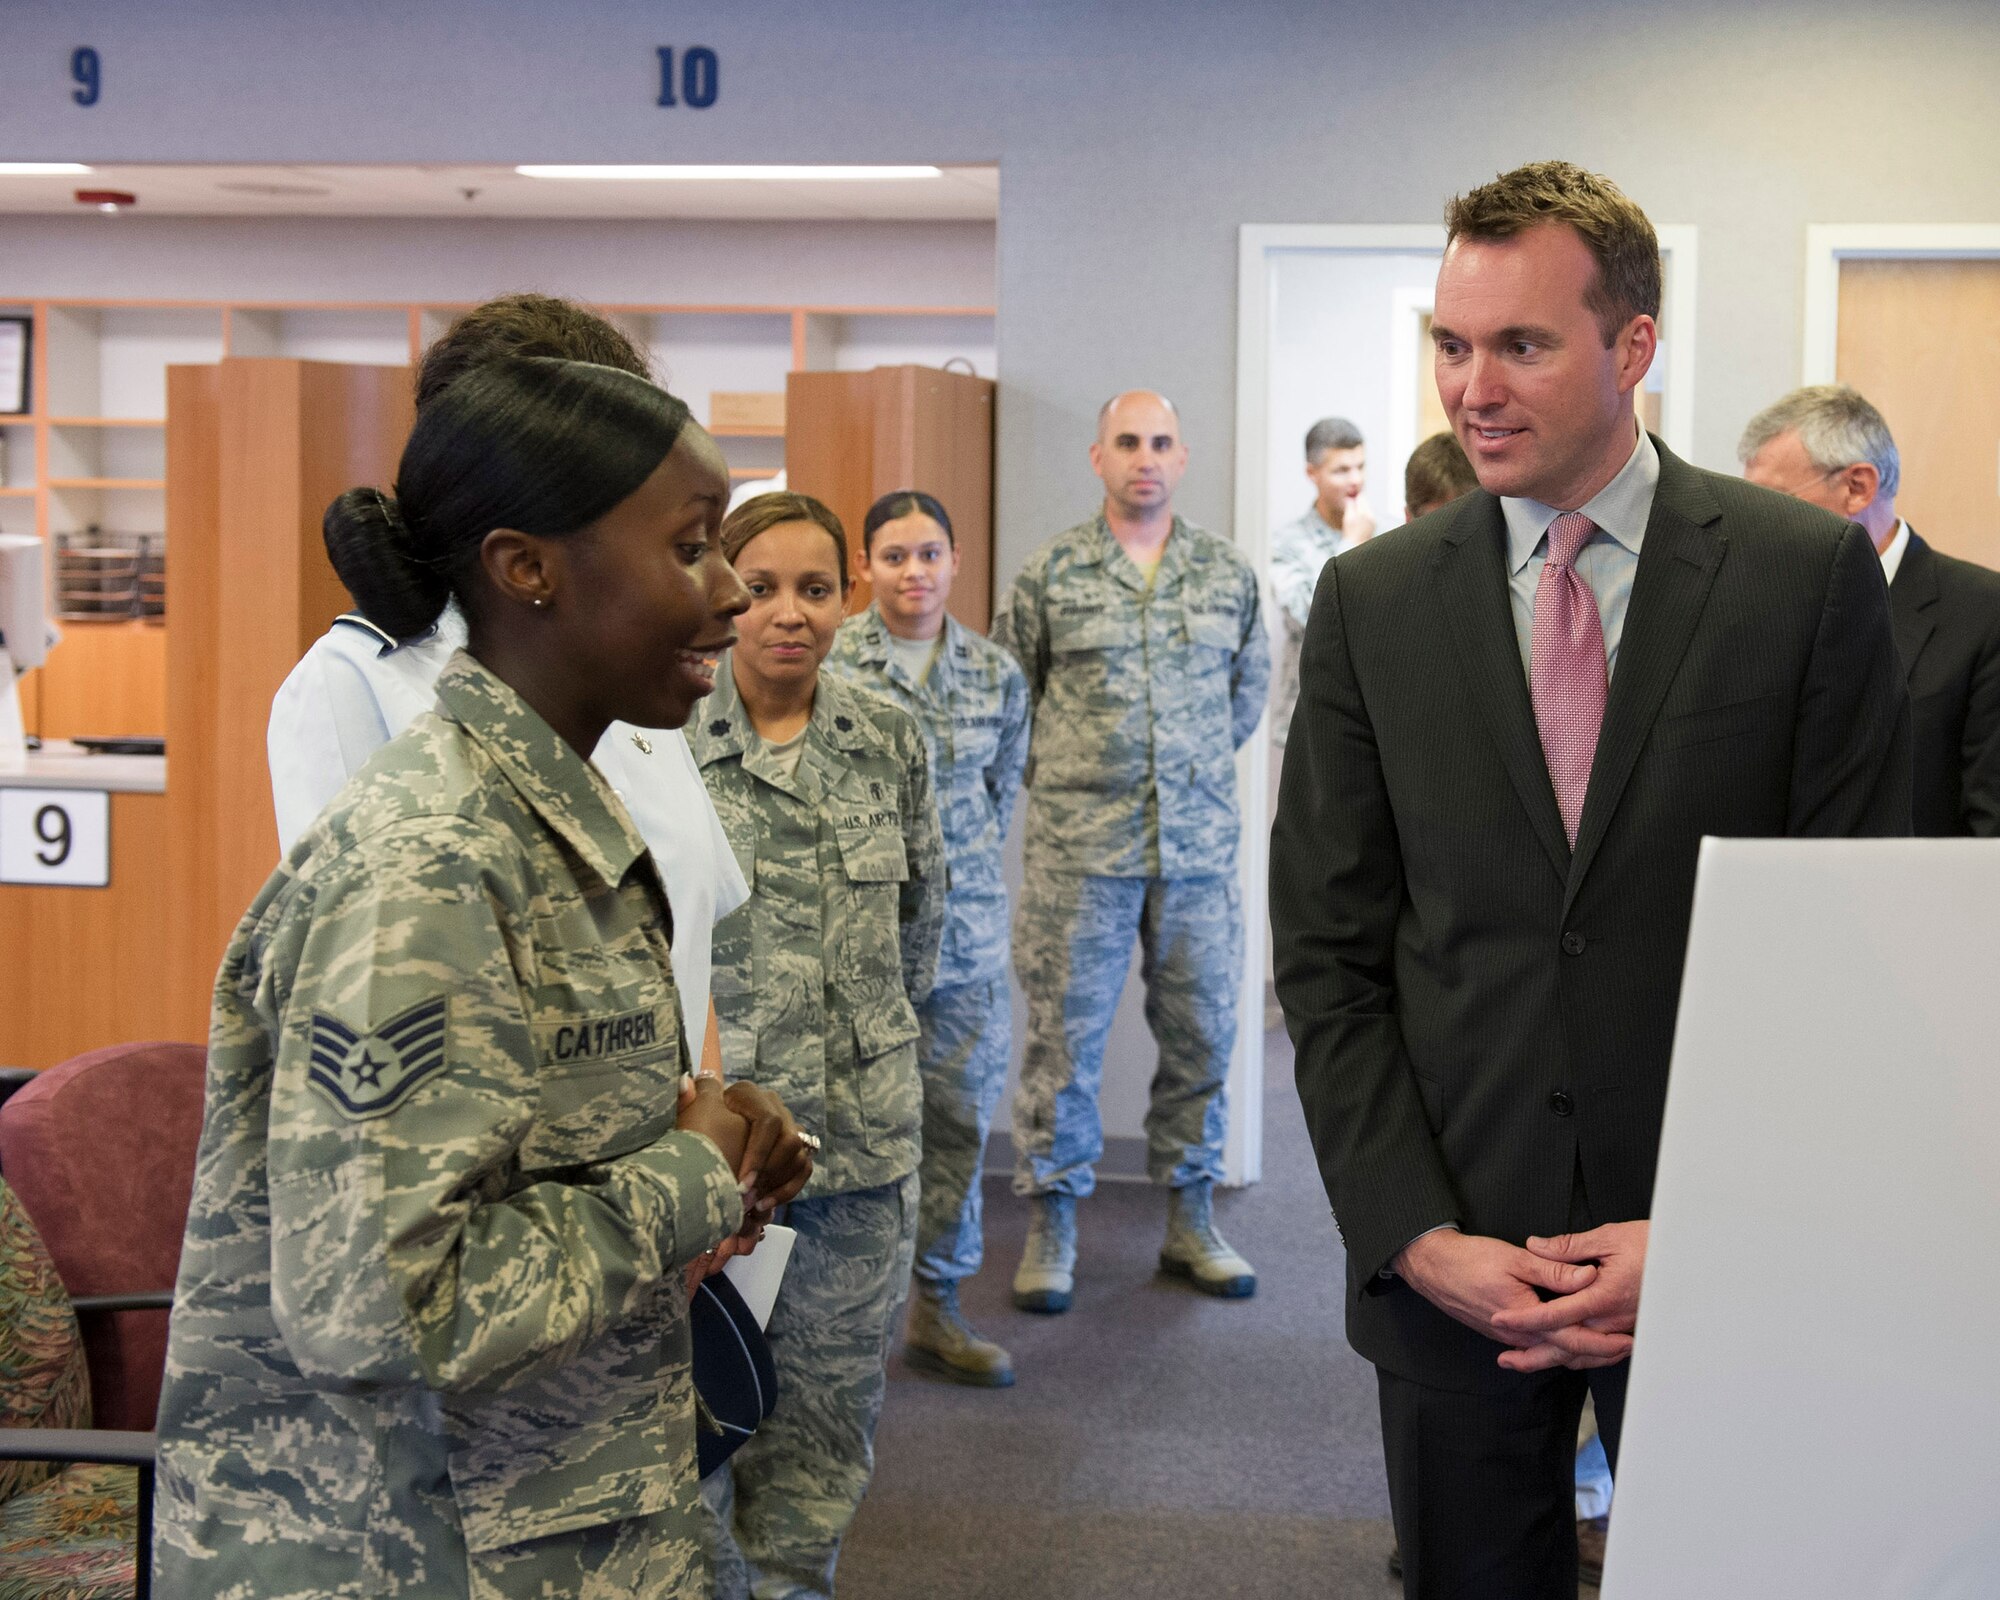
{"x":1910,"y":316}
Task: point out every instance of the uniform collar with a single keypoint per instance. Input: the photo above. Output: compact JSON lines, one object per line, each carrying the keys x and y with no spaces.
{"x":838,"y":722}
{"x":1313,"y":522}
{"x":874,"y":646}
{"x":565,"y":790}
{"x":1103,"y":547}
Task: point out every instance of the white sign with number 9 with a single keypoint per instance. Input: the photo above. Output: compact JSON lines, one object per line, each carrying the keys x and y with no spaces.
{"x":55,"y":837}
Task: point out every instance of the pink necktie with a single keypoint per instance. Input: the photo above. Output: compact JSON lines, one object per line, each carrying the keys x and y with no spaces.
{"x":1566,"y":676}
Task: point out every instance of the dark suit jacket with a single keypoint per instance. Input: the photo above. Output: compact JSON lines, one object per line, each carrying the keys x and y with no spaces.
{"x":1947,"y":616}
{"x":1478,"y":1015}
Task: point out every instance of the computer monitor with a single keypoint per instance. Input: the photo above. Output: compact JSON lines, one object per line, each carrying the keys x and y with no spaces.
{"x":24,"y":606}
{"x":24,"y":635}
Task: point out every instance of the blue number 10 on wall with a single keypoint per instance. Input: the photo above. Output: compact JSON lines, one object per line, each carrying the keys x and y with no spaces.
{"x":697,"y":81}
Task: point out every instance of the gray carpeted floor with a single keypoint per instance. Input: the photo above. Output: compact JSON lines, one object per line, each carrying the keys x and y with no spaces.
{"x":1158,"y":1443}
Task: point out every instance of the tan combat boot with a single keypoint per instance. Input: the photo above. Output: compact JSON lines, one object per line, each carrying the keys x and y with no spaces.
{"x":941,"y":1342}
{"x":1046,"y":1276}
{"x":1195,"y":1251}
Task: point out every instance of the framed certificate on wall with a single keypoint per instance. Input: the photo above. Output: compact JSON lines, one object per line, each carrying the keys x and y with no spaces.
{"x":13,"y":366}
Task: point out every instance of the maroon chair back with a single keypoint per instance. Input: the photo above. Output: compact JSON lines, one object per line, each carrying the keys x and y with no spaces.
{"x":101,"y":1152}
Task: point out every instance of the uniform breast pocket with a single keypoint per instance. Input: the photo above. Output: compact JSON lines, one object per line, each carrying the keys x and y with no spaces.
{"x":974,"y":740}
{"x":866,"y":936}
{"x":1215,"y":630}
{"x":1074,"y":634}
{"x":606,"y":1023}
{"x":609,"y":1085}
{"x":873,"y":853}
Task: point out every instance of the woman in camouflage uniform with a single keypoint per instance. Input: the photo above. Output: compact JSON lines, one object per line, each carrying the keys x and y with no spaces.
{"x":430,"y":1338}
{"x":824,"y":791}
{"x":971,"y":700}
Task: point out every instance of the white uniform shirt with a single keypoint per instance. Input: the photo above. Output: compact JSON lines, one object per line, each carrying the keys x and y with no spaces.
{"x":354,"y":691}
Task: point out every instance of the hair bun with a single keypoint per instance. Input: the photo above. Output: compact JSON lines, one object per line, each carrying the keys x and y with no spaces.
{"x":370,"y":547}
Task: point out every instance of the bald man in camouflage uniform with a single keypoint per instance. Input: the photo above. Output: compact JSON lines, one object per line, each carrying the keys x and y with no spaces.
{"x":972,"y":706}
{"x":816,"y":982}
{"x":1147,"y":665}
{"x":430,"y":1338}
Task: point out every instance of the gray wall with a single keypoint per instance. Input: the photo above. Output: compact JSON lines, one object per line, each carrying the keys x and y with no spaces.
{"x":1133,"y":139}
{"x":447,"y":262}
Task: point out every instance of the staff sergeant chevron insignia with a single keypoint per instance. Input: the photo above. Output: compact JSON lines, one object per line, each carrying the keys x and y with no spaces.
{"x":369,"y":1075}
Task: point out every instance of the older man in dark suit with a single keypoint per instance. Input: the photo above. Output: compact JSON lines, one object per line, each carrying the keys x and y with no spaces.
{"x":1827,"y":445}
{"x":1516,"y":721}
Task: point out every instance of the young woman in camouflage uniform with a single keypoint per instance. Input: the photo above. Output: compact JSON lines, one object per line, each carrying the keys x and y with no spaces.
{"x":970,"y":699}
{"x":430,"y":1339}
{"x":824,"y":791}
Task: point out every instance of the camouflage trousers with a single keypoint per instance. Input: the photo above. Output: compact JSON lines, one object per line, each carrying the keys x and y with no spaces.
{"x":1072,"y":949}
{"x":780,"y":1507}
{"x":968,"y":1033}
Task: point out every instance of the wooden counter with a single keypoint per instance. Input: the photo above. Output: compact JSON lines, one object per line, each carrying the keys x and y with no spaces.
{"x":80,"y":967}
{"x":256,"y":448}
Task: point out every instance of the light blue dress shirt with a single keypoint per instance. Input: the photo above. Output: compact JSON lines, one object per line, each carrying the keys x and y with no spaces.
{"x":1608,"y":562}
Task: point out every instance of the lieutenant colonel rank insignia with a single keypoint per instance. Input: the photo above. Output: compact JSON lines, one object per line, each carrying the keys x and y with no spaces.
{"x":370,"y":1074}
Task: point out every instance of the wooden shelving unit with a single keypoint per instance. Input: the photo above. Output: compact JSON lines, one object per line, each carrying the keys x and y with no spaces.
{"x":92,"y":451}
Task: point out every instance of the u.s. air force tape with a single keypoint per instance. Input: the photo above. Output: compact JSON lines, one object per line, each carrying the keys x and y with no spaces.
{"x":369,"y":1074}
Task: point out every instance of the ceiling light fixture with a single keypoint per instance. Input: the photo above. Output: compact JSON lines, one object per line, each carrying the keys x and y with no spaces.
{"x":729,"y":174}
{"x":43,"y":169}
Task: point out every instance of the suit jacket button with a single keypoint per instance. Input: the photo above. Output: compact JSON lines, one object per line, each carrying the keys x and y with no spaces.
{"x":1572,"y":944}
{"x":1561,"y":1104}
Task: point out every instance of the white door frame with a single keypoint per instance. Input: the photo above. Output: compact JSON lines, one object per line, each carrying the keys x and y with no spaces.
{"x":1829,"y":245}
{"x":1243,"y":1151}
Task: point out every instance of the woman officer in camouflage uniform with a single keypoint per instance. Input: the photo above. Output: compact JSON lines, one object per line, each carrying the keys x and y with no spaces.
{"x":825,"y":794}
{"x":971,"y":700}
{"x":430,"y":1338}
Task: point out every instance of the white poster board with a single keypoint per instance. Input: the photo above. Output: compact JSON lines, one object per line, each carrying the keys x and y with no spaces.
{"x":1815,"y":1401}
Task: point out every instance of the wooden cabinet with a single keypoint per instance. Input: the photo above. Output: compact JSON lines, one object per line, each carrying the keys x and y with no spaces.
{"x":91,"y":451}
{"x":852,"y":437}
{"x":258,"y":448}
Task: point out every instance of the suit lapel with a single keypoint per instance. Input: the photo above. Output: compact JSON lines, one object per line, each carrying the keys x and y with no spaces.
{"x":1911,"y":599}
{"x":1677,"y":566}
{"x":1471,"y":572}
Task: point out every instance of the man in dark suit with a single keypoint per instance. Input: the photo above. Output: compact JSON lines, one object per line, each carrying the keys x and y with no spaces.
{"x":1828,"y":446}
{"x":1517,"y":718}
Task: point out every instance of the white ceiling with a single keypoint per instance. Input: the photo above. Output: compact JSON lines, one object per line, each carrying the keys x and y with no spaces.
{"x":965,"y":193}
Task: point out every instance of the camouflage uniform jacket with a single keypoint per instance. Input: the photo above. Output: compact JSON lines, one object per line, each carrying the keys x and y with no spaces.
{"x":973,"y":710}
{"x":817,"y":976}
{"x":430,"y":1299}
{"x":1141,"y":696}
{"x":1300,"y":551}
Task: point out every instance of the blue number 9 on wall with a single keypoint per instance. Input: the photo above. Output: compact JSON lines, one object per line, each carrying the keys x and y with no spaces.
{"x":698,"y":82}
{"x":88,"y":72}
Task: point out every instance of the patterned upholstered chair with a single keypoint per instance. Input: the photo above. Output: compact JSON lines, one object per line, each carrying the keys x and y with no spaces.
{"x":99,"y":1152}
{"x":69,"y":1527}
